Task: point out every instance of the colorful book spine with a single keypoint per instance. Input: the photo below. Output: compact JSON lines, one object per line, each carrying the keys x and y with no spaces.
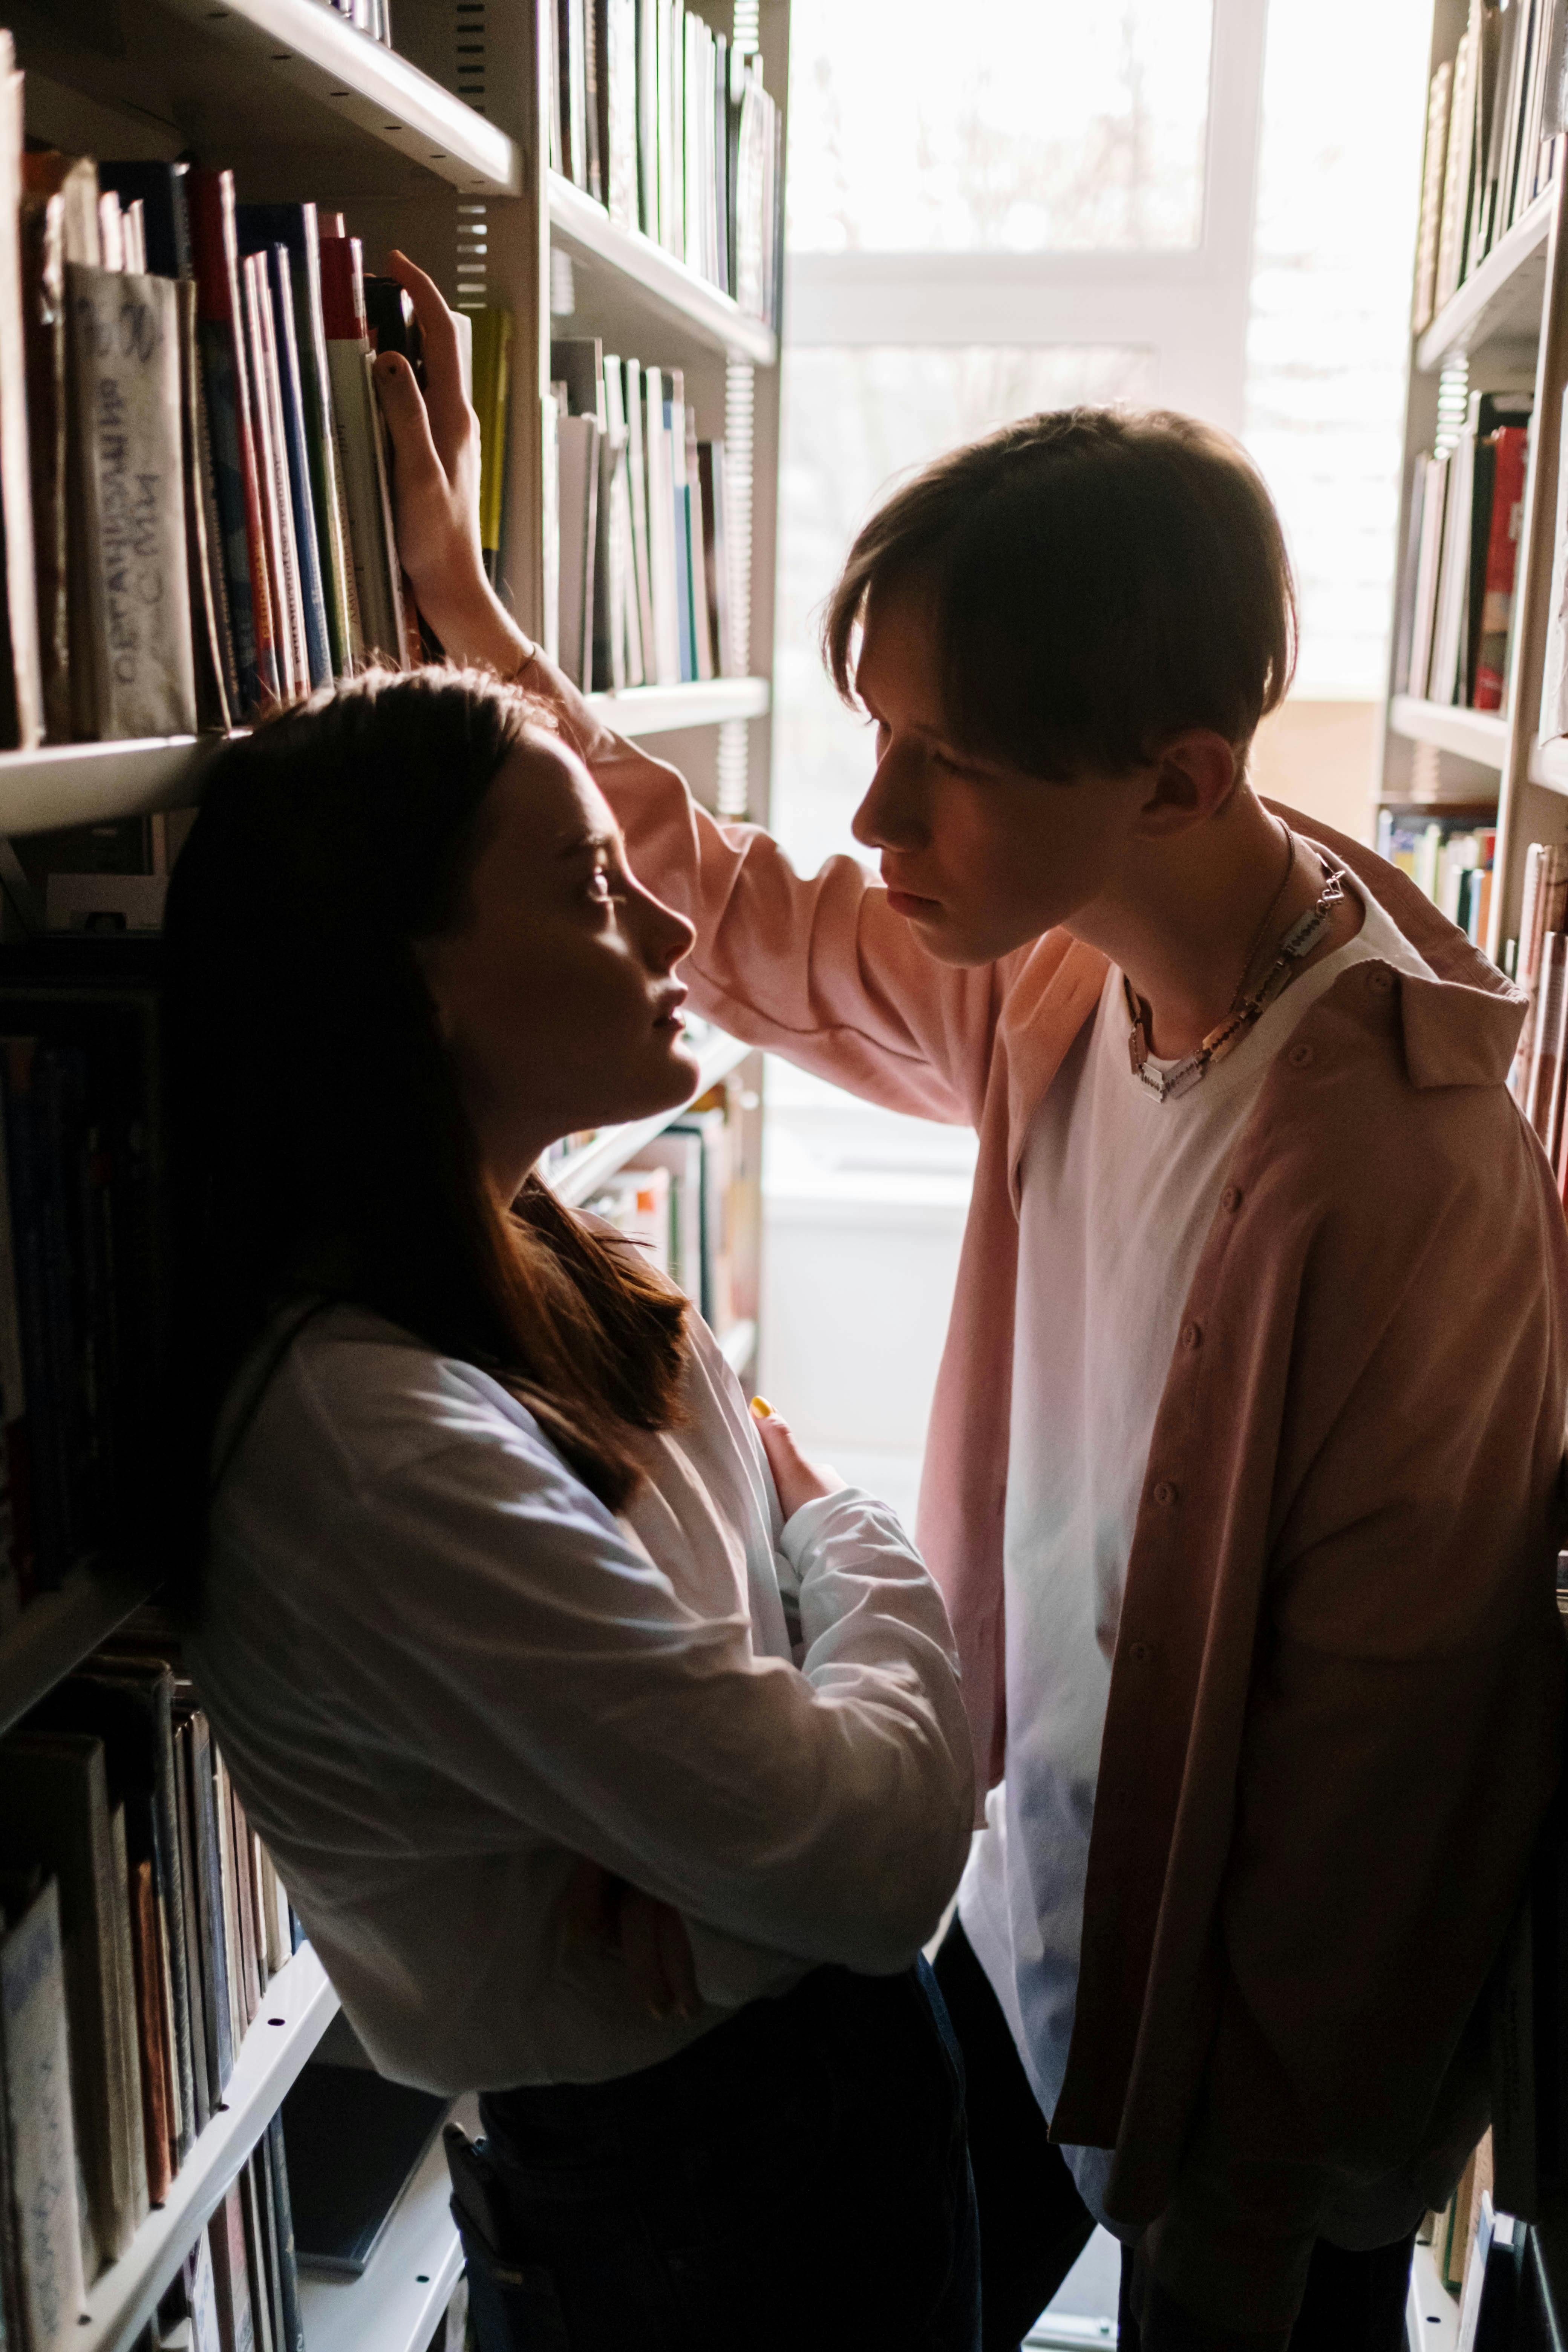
{"x":236,"y":481}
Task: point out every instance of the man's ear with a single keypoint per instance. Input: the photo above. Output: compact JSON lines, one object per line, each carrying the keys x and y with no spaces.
{"x":1192,"y":779}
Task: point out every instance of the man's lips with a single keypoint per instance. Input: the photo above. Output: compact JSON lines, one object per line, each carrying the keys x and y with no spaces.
{"x":908,"y":903}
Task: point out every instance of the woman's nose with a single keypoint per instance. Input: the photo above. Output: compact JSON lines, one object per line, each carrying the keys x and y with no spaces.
{"x":668,"y":937}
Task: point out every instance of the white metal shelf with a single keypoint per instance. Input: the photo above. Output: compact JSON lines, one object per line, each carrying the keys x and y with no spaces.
{"x":1500,"y":302}
{"x":1549,"y":764}
{"x":93,"y":783}
{"x":296,"y":2010}
{"x":579,"y":1176}
{"x":1479,"y":735}
{"x":586,"y":230}
{"x":407,"y":2283}
{"x":58,"y":1630}
{"x":318,"y":51}
{"x":1432,"y":2313}
{"x":659,"y":710}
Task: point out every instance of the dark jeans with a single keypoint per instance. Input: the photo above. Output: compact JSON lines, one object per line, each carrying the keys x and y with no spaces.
{"x":1033,"y":2224}
{"x":798,"y":2177}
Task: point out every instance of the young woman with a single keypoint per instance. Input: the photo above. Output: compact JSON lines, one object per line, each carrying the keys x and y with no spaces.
{"x":502,"y":1613}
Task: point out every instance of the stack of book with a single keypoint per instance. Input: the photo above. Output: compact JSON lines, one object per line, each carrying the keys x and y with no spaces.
{"x":673,"y":1201}
{"x":1448,"y":858}
{"x":197,"y":523}
{"x":1462,"y":558}
{"x":144,"y":1922}
{"x":1539,"y":1073}
{"x":80,"y":1259}
{"x":1494,"y":141}
{"x":642,"y":593}
{"x":668,"y":124}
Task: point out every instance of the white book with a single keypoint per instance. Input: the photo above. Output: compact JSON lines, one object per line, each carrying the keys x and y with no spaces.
{"x":550,"y":503}
{"x":637,"y":486}
{"x":626,"y":628}
{"x":661,"y":535}
{"x":125,"y":368}
{"x":39,"y":2116}
{"x":577,"y":461}
{"x":1431,"y":489}
{"x":377,"y":587}
{"x":620,"y":63}
{"x":1454,"y":577}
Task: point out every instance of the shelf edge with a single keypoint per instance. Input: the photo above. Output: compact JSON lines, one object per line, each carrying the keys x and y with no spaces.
{"x":586,"y":1170}
{"x":123,"y":2299}
{"x":656,"y":274}
{"x":58,"y":1630}
{"x":1477,"y":735}
{"x":1450,"y":330}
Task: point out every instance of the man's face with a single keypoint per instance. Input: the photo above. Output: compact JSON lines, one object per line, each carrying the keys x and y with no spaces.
{"x":977,"y":857}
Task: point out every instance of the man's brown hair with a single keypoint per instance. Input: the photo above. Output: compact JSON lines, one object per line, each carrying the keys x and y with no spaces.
{"x":1100,"y":580}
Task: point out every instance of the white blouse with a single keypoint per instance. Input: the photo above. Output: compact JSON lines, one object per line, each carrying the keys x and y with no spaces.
{"x":440,"y":1671}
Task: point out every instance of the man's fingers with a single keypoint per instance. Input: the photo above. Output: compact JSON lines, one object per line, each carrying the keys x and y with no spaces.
{"x":438,"y":337}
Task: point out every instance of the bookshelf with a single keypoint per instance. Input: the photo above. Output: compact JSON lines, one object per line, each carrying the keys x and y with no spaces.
{"x":440,"y":146}
{"x":1506,"y":329}
{"x":409,"y":2279}
{"x":1503,"y":329}
{"x":296,"y":2010}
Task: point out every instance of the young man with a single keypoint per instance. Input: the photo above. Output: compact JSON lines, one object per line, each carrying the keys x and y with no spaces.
{"x":1242,"y":1469}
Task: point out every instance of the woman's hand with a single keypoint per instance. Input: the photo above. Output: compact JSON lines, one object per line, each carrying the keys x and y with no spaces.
{"x":797,"y":1480}
{"x":647,"y":1936}
{"x":435,"y":486}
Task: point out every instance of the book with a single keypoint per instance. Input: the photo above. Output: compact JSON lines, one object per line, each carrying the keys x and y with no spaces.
{"x":212,"y":636}
{"x":617,"y":21}
{"x":1431,"y":196}
{"x":637,"y":489}
{"x":237,"y":488}
{"x":21,"y":671}
{"x":674,"y":442}
{"x":352,"y":2140}
{"x":45,"y":215}
{"x":292,"y":426}
{"x":231,"y":2275}
{"x":160,"y":190}
{"x":55,"y":1812}
{"x":663,"y":576}
{"x":297,"y":228}
{"x":716,"y":553}
{"x":1545,"y":1066}
{"x":492,"y":334}
{"x":40,"y":2138}
{"x":1511,"y":445}
{"x":696,"y":556}
{"x":648,"y":16}
{"x":272,"y":475}
{"x":125,"y":341}
{"x":577,"y":441}
{"x":372,"y":543}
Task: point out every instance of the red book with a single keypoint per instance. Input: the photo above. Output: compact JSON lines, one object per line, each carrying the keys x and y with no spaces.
{"x":226,"y":380}
{"x":1512,"y":442}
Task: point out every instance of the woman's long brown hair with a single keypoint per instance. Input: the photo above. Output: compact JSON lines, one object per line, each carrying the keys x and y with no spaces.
{"x":318,"y":1142}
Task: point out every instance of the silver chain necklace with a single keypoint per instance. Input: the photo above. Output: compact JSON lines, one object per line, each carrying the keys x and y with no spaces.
{"x":1245,"y":1011}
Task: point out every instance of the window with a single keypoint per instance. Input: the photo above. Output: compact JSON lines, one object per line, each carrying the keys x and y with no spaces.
{"x":1025,"y":126}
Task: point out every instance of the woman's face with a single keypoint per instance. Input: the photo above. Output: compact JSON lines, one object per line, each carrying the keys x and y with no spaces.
{"x":556,"y":994}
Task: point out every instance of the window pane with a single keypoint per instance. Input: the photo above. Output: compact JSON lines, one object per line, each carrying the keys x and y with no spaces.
{"x":853,"y":422}
{"x":1020,"y":126}
{"x":1328,"y":341}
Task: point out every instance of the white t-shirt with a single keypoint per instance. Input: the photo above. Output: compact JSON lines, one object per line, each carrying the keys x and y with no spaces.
{"x":1119,"y":1192}
{"x":440,"y":1670}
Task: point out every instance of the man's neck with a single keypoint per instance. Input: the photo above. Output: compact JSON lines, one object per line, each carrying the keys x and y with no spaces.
{"x":1191,"y":917}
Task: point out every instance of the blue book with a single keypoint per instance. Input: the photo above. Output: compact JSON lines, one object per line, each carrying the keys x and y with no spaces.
{"x":257,"y":233}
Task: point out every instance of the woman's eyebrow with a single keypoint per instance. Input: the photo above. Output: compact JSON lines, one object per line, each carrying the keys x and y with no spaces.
{"x":586,"y":845}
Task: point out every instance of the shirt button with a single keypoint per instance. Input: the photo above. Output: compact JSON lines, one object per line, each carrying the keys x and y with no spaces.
{"x":1191,"y":1336}
{"x":1139,"y":1649}
{"x":1299,"y":1056}
{"x":1231,"y":1197}
{"x":1165,"y":1492}
{"x":1381,"y":979}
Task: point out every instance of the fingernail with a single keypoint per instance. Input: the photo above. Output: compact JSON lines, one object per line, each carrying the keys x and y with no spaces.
{"x":763,"y":1409}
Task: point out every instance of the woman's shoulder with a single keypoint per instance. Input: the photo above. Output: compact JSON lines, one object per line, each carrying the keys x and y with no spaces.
{"x":340,"y":1388}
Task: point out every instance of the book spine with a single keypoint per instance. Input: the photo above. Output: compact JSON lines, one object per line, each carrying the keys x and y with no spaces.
{"x":273,"y":479}
{"x":307,"y":553}
{"x":40,"y":2133}
{"x":237,"y":487}
{"x":25,"y":717}
{"x":1501,"y":566}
